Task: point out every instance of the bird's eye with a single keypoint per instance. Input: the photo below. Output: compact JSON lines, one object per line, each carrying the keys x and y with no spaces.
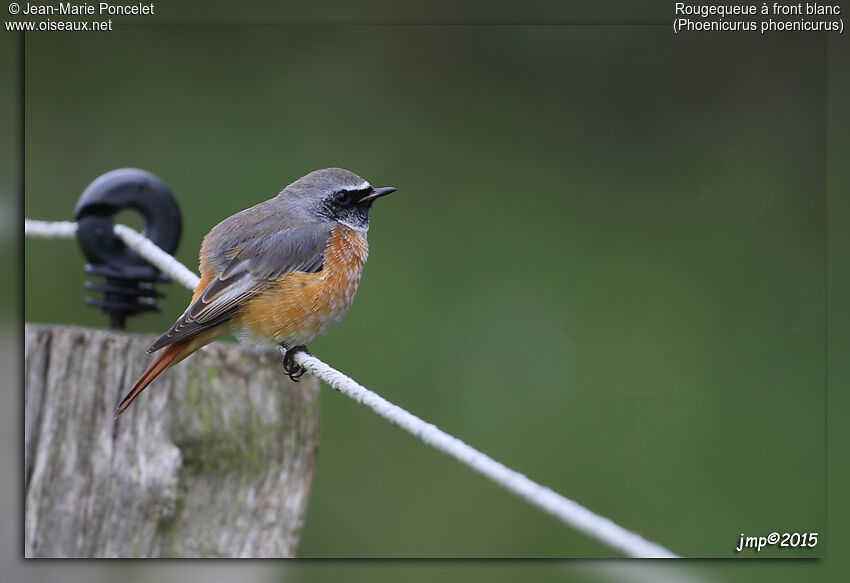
{"x":342,"y":196}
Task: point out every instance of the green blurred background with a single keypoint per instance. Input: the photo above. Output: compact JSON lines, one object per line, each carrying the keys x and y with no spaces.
{"x":604,"y":266}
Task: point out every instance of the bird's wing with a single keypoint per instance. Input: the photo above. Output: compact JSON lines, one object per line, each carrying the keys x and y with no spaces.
{"x":258,"y":263}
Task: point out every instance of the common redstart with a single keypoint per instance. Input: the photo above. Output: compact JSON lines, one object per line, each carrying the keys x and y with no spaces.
{"x":281,"y":272}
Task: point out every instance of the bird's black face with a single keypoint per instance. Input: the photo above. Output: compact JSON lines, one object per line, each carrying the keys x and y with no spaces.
{"x":350,"y":206}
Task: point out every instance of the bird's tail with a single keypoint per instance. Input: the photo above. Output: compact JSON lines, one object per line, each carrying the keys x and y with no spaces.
{"x":171,"y":355}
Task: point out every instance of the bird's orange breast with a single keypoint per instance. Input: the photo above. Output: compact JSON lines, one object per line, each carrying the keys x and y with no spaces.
{"x":301,"y":306}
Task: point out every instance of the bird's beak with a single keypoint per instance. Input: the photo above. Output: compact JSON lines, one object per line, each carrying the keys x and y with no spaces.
{"x":377,"y":193}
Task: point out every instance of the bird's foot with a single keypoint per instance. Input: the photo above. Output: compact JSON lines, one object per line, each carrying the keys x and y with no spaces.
{"x":294,"y":370}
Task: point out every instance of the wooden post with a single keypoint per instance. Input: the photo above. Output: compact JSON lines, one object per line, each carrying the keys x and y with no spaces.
{"x":214,"y":459}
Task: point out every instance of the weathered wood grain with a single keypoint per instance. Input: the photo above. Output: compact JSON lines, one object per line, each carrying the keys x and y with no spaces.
{"x":214,"y":459}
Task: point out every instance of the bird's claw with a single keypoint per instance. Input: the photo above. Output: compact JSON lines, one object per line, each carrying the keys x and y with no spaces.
{"x":294,"y":370}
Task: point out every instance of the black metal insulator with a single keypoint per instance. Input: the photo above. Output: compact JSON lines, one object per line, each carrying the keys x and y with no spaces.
{"x":129,"y":285}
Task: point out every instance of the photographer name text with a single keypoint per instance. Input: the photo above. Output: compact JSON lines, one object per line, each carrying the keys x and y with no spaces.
{"x":99,"y":9}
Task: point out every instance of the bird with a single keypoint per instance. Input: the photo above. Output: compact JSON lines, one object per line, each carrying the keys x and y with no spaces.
{"x":279,"y":273}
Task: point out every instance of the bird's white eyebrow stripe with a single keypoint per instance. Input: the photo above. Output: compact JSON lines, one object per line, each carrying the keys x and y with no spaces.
{"x":364,"y":186}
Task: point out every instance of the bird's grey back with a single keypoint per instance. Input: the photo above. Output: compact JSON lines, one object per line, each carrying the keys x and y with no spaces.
{"x":290,"y":210}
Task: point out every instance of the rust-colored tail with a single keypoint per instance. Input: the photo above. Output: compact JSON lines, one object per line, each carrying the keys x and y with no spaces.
{"x":169,"y":355}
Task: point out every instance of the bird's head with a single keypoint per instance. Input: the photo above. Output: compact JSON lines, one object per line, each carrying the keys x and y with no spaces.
{"x":337,"y":195}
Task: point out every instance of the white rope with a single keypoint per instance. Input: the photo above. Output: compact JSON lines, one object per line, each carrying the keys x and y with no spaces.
{"x":146,"y":248}
{"x":163,"y":261}
{"x":568,"y":511}
{"x":50,"y":229}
